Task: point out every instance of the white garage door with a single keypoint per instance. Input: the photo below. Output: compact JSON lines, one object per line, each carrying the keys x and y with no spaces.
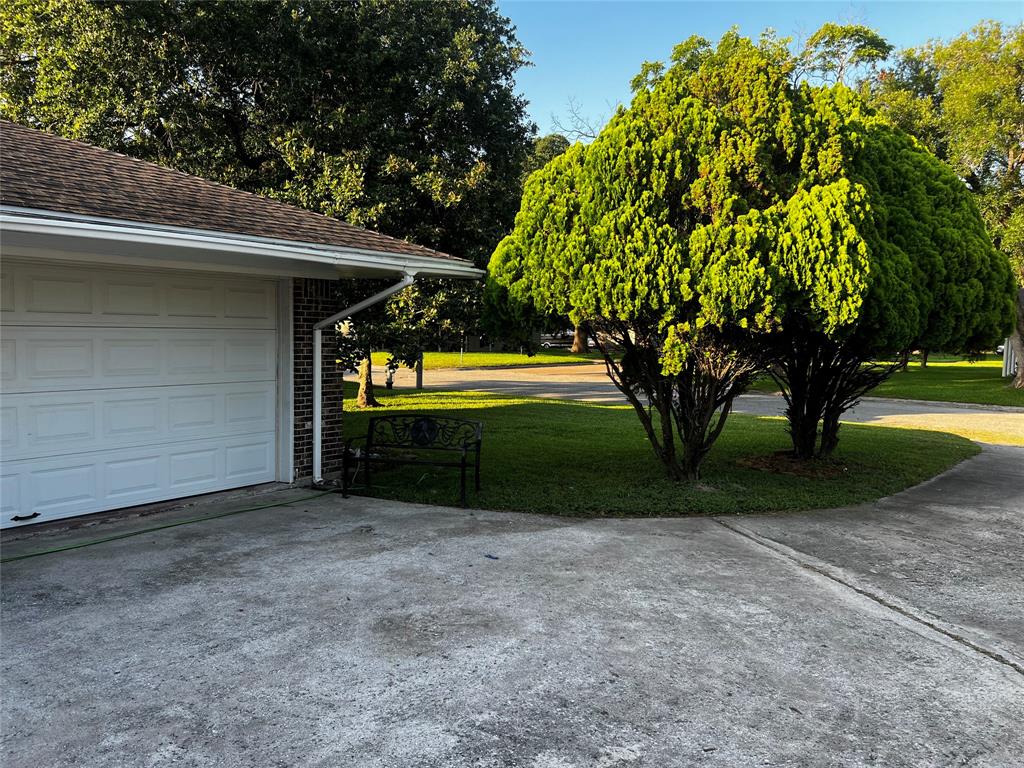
{"x":123,"y":387}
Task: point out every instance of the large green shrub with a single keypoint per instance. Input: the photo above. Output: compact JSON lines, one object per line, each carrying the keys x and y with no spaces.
{"x":729,"y":221}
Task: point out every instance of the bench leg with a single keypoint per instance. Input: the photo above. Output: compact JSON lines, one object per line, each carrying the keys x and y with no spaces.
{"x":344,"y":475}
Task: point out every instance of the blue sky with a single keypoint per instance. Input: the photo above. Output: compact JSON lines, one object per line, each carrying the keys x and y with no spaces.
{"x":588,"y":51}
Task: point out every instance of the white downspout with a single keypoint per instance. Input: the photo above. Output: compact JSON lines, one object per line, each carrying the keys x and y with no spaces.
{"x":408,"y":279}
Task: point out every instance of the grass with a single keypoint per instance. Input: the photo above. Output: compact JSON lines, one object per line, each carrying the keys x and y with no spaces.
{"x":435,"y":360}
{"x":961,"y":382}
{"x":572,"y":458}
{"x":958,"y":381}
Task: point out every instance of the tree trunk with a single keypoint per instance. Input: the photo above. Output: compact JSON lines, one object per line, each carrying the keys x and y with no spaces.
{"x":580,"y":342}
{"x":924,"y":358}
{"x":798,"y":378}
{"x":904,"y":359}
{"x":820,"y":380}
{"x":1017,"y":341}
{"x":829,"y":433}
{"x":803,"y":430}
{"x":365,"y":398}
{"x":689,"y":463}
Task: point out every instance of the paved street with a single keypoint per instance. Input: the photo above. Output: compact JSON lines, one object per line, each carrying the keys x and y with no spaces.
{"x":996,"y":425}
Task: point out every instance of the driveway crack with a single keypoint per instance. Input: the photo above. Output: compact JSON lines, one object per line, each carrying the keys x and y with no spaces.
{"x":877,"y":596}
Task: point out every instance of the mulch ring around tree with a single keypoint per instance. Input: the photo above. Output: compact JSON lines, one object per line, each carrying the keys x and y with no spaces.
{"x":784,"y":463}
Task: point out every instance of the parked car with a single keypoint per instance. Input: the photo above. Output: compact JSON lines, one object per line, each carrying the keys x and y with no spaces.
{"x":556,"y":340}
{"x":1000,"y":348}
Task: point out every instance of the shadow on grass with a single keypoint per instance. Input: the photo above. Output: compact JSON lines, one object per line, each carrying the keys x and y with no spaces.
{"x":582,"y":459}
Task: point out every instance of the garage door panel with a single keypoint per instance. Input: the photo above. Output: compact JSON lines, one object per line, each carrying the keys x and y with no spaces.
{"x":120,"y":297}
{"x":8,"y":360}
{"x":9,"y":435}
{"x":251,"y":354}
{"x":10,"y":496}
{"x":131,"y":357}
{"x":66,"y":294}
{"x":54,"y":358}
{"x":47,"y":294}
{"x":193,"y":464}
{"x":248,"y":460}
{"x":131,"y":416}
{"x":60,"y":359}
{"x":139,"y":474}
{"x":6,"y":292}
{"x":57,"y":487}
{"x":60,"y":423}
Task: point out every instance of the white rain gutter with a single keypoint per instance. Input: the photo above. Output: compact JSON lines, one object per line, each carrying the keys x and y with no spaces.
{"x":407,"y":279}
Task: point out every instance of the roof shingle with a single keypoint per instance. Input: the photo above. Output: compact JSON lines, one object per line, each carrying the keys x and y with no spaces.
{"x":41,"y":171}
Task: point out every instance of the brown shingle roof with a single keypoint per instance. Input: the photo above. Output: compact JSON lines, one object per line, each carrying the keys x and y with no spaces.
{"x":42,"y":171}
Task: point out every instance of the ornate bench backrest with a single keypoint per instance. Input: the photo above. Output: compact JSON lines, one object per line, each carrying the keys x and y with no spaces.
{"x":420,"y":431}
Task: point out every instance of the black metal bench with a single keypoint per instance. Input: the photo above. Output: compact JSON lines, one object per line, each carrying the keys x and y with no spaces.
{"x":388,"y":436}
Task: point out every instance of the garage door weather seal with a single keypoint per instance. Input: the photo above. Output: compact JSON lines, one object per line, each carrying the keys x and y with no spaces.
{"x":93,"y":542}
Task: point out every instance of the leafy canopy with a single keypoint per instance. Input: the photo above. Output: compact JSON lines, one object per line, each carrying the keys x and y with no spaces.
{"x":728,"y":208}
{"x":836,"y":49}
{"x":397,"y":116}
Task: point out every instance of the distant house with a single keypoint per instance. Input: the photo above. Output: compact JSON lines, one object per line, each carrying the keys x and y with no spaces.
{"x":158,"y":330}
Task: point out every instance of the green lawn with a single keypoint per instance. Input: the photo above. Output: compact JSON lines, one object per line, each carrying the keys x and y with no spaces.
{"x":574,"y":458}
{"x":434,"y":360}
{"x":957,"y":381}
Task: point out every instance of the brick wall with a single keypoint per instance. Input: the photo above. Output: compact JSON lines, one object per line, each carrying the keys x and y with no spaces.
{"x":314,"y":300}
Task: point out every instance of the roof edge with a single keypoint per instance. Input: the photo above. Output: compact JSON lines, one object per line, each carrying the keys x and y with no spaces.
{"x":262,"y":199}
{"x":58,"y":222}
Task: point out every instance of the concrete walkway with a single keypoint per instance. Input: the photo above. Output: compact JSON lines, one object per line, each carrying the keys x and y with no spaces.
{"x":331,"y":632}
{"x":588,"y":381}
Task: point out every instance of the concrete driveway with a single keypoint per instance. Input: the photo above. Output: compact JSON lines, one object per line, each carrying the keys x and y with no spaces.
{"x":333,"y":632}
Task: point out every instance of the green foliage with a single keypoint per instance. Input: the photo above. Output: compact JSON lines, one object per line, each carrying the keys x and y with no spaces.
{"x":390,"y":325}
{"x":729,"y":211}
{"x":397,"y":116}
{"x":908,"y":95}
{"x":965,"y":100}
{"x":515,"y":323}
{"x":835,"y":49}
{"x":545,"y":149}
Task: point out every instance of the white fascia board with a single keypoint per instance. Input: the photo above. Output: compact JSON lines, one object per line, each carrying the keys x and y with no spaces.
{"x":292,"y":256}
